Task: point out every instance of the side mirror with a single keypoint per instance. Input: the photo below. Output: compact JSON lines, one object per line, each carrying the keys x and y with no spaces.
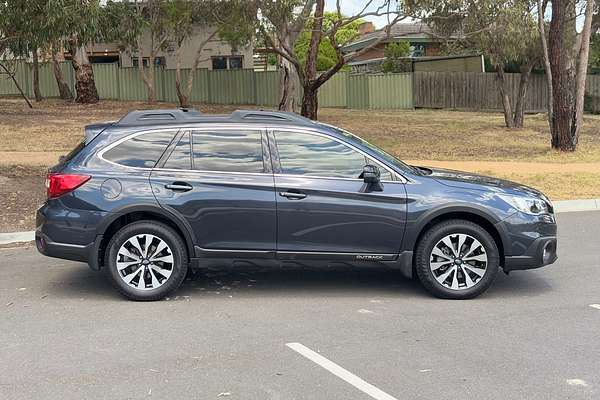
{"x":372,"y":178}
{"x":371,"y":174}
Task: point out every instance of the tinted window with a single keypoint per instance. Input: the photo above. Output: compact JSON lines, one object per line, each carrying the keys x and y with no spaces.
{"x":305,"y":154}
{"x":228,"y":151}
{"x":140,"y":151}
{"x":219,"y":62}
{"x":385,"y":174}
{"x":235,"y":62}
{"x":181,"y":157}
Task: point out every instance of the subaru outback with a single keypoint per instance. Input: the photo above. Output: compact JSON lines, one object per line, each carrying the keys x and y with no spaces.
{"x":160,"y":192}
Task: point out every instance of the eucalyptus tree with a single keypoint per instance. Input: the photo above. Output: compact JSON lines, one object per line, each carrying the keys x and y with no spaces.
{"x":566,"y":54}
{"x":503,"y":30}
{"x":79,"y":23}
{"x":140,"y":26}
{"x":278,"y":15}
{"x":231,"y":21}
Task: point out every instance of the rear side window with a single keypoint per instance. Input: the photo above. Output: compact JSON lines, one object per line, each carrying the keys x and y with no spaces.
{"x":181,"y":157}
{"x":227,"y":151}
{"x":142,"y":151}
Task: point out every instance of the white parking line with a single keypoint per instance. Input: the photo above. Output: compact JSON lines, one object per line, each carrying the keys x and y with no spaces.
{"x":340,"y":372}
{"x":597,"y":306}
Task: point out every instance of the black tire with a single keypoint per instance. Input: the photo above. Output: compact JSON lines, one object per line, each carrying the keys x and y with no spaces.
{"x":165,"y":233}
{"x":437,"y":233}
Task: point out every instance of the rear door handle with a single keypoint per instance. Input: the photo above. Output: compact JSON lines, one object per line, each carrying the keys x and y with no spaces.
{"x":179,"y":187}
{"x":293,"y":195}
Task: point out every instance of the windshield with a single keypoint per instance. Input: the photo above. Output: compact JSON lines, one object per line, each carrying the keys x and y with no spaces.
{"x":382,"y":153}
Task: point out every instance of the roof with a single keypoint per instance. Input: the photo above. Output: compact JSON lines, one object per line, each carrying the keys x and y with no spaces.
{"x":179,"y":116}
{"x":410,"y":31}
{"x":416,"y":59}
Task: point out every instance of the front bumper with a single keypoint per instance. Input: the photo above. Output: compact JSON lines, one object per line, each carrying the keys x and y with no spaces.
{"x":529,"y":241}
{"x":540,"y":253}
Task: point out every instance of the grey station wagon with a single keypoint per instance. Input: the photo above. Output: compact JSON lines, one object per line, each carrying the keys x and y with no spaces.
{"x":159,"y":192}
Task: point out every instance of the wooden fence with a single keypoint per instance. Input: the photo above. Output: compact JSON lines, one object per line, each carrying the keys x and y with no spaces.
{"x":451,"y":90}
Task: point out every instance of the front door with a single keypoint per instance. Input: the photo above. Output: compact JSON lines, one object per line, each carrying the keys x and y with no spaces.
{"x":322,"y":205}
{"x":219,"y":181}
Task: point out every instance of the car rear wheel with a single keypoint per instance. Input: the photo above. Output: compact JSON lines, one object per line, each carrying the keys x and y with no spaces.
{"x":456,"y":259}
{"x":146,"y":260}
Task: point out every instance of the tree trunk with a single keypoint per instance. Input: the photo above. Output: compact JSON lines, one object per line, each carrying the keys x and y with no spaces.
{"x":541,"y":9}
{"x":85,"y":86}
{"x":36,"y":76}
{"x":288,"y":87}
{"x":310,"y":102}
{"x":562,"y":77}
{"x":582,"y":60}
{"x":147,"y":76}
{"x":181,"y":94}
{"x":520,"y":104}
{"x":63,"y":89}
{"x":504,"y":95}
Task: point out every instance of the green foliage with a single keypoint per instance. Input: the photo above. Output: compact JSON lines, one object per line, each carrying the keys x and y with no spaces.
{"x":594,"y":59}
{"x":327,"y":56}
{"x":395,"y":57}
{"x":504,"y":31}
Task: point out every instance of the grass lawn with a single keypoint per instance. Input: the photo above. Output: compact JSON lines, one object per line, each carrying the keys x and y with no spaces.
{"x":469,"y":141}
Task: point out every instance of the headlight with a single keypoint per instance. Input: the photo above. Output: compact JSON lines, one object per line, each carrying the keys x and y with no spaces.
{"x":528,"y":205}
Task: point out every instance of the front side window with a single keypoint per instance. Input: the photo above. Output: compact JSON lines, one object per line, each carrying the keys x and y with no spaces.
{"x":142,"y":151}
{"x":227,"y":151}
{"x":306,"y":154}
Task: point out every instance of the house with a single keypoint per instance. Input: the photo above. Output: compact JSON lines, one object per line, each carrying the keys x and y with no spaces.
{"x":419,"y":35}
{"x":424,"y":45}
{"x":216,"y":54}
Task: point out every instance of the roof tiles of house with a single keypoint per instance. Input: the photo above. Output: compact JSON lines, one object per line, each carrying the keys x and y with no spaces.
{"x":413,"y":30}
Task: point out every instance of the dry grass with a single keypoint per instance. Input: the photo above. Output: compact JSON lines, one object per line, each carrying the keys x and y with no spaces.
{"x":467,"y":140}
{"x":458,"y":135}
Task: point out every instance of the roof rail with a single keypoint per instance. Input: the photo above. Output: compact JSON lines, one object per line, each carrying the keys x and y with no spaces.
{"x":246,"y":115}
{"x":141,"y":117}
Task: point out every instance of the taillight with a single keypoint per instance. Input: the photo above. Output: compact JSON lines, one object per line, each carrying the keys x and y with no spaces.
{"x":59,"y":184}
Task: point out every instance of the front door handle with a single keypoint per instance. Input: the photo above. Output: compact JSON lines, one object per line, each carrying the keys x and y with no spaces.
{"x":293,"y":195}
{"x":179,"y":187}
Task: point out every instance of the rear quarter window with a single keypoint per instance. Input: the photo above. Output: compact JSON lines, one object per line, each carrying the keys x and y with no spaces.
{"x":141,"y":151}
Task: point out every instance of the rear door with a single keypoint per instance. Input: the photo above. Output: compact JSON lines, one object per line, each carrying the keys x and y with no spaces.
{"x":220,"y":181}
{"x":322,"y":206}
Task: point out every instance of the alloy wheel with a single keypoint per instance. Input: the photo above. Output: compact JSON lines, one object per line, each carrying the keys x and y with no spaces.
{"x":145,"y":262}
{"x":458,"y":261}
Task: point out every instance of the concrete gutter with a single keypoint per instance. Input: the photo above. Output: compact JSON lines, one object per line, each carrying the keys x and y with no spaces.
{"x":559,"y":207}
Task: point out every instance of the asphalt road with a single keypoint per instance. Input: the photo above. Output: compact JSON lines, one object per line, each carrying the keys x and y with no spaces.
{"x":66,"y":334}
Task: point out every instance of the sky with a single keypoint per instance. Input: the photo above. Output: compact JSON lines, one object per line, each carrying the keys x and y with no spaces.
{"x":352,"y":7}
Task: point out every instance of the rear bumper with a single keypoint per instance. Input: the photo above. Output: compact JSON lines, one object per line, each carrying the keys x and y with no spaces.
{"x":85,"y":253}
{"x":540,"y":253}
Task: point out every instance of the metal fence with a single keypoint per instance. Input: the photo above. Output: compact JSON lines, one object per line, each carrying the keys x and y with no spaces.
{"x":451,"y":90}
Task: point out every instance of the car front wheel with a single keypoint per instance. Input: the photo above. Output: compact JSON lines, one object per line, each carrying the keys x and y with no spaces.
{"x":456,"y":259}
{"x":146,"y":260}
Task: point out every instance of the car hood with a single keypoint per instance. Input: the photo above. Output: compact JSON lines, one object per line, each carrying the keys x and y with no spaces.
{"x":468,"y":180}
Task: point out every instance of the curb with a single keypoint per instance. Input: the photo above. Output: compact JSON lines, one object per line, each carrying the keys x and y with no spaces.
{"x":14,"y":237}
{"x":576,"y":205}
{"x":564,"y":206}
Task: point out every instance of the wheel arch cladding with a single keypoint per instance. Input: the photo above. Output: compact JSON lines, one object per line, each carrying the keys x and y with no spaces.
{"x":147,"y":214}
{"x":467,"y":215}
